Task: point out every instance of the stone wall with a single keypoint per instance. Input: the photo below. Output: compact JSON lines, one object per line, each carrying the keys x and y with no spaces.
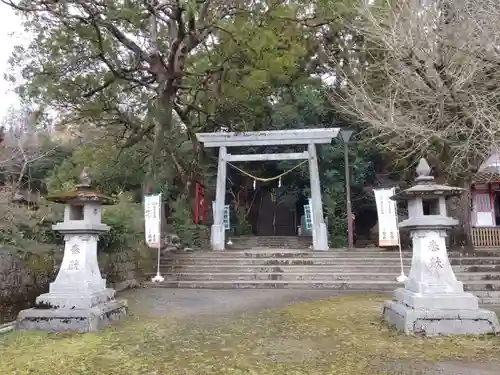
{"x":24,"y":276}
{"x":127,"y":269}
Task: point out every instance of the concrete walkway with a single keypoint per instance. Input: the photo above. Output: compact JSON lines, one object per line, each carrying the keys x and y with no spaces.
{"x":201,"y":304}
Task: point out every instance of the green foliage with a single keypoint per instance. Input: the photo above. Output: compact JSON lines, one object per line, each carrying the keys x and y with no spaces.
{"x":241,"y":226}
{"x":40,"y":233}
{"x":191,"y":235}
{"x":307,"y":106}
{"x":363,"y":165}
{"x":62,"y":178}
{"x":126,"y":221}
{"x":266,"y":55}
{"x":112,"y":170}
{"x":335,"y":216}
{"x":94,"y":74}
{"x":29,"y":229}
{"x":112,"y":173}
{"x":32,"y":230}
{"x":256,"y":76}
{"x":53,"y":155}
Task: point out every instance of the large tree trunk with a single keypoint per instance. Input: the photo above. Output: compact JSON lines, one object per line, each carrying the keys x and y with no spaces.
{"x":164,"y":122}
{"x":461,"y":209}
{"x":465,"y":217}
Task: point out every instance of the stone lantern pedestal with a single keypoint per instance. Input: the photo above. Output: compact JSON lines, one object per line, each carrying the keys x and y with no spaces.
{"x":78,"y":299}
{"x":433,"y":301}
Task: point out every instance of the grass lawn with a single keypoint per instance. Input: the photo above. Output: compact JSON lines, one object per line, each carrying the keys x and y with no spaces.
{"x":336,"y":336}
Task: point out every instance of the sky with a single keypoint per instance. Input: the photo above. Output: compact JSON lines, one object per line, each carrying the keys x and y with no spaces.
{"x":10,"y":24}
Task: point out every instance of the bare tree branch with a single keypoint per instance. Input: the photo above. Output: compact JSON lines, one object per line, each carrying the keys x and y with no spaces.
{"x":433,"y":85}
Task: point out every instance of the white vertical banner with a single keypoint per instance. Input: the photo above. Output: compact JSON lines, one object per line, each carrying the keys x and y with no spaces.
{"x":388,"y":231}
{"x":226,"y":219}
{"x":308,"y":216}
{"x":152,"y":220}
{"x":309,"y":200}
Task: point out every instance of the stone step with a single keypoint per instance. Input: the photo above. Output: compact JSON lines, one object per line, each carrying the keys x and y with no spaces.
{"x":325,"y":268}
{"x":292,"y":253}
{"x":270,"y":245}
{"x":321,"y":276}
{"x":488,"y":301}
{"x":329,"y":269}
{"x":482,"y":285}
{"x":267,"y":262}
{"x":486,"y":298}
{"x":379,"y":286}
{"x":337,"y":253}
{"x":248,"y":242}
{"x":488,"y":293}
{"x":365,"y":243}
{"x":313,"y":261}
{"x":355,"y":285}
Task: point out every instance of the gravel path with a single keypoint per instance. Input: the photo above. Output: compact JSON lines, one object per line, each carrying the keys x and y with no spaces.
{"x":202,"y":304}
{"x":160,"y":302}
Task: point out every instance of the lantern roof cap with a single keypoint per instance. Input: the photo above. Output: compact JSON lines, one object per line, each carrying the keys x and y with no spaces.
{"x":425,"y":185}
{"x":83,"y":193}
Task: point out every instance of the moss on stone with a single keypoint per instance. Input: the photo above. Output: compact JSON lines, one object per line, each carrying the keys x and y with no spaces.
{"x":77,"y":196}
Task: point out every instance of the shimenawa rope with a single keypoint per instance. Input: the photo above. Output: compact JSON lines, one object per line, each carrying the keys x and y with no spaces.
{"x":270,"y":178}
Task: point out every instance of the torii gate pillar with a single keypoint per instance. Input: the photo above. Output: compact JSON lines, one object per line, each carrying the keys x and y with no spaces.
{"x":218,"y":233}
{"x":320,"y":234}
{"x":306,"y":137}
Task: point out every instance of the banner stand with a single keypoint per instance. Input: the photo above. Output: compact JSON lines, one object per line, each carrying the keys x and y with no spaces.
{"x":387,"y":211}
{"x":152,"y":230}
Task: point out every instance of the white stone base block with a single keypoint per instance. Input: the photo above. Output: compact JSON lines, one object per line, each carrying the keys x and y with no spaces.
{"x":320,"y":237}
{"x":440,"y":322}
{"x":75,"y":300}
{"x":72,"y":320}
{"x":217,"y":237}
{"x":437,"y":301}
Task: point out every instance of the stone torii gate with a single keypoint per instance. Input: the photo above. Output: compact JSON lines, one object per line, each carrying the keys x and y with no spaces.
{"x":309,"y":137}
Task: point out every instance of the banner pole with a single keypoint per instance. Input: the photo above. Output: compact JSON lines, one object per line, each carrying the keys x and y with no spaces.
{"x":402,"y":277}
{"x":159,"y":278}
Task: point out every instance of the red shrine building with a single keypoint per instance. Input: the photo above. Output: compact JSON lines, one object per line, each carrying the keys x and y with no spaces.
{"x":485,"y":196}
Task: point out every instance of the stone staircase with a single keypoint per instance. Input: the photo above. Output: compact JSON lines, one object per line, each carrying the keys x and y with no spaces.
{"x":366,"y":270}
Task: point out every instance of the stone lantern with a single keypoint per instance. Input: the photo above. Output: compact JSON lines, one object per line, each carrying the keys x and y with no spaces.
{"x":78,"y":299}
{"x":433,"y":301}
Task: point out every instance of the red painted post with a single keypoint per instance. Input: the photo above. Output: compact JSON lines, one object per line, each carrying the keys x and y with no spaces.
{"x":203,"y":205}
{"x":197,"y":204}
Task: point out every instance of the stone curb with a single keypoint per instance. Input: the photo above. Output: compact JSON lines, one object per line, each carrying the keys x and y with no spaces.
{"x":7,"y":327}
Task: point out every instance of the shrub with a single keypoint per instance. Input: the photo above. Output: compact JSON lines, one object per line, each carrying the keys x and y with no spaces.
{"x":191,"y":235}
{"x":126,"y":222}
{"x":22,"y":227}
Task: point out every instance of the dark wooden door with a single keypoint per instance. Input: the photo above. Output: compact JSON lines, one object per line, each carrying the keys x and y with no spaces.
{"x":275,"y":218}
{"x":266,"y":215}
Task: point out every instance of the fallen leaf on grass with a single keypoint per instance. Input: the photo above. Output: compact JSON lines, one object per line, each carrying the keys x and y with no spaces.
{"x":343,"y":336}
